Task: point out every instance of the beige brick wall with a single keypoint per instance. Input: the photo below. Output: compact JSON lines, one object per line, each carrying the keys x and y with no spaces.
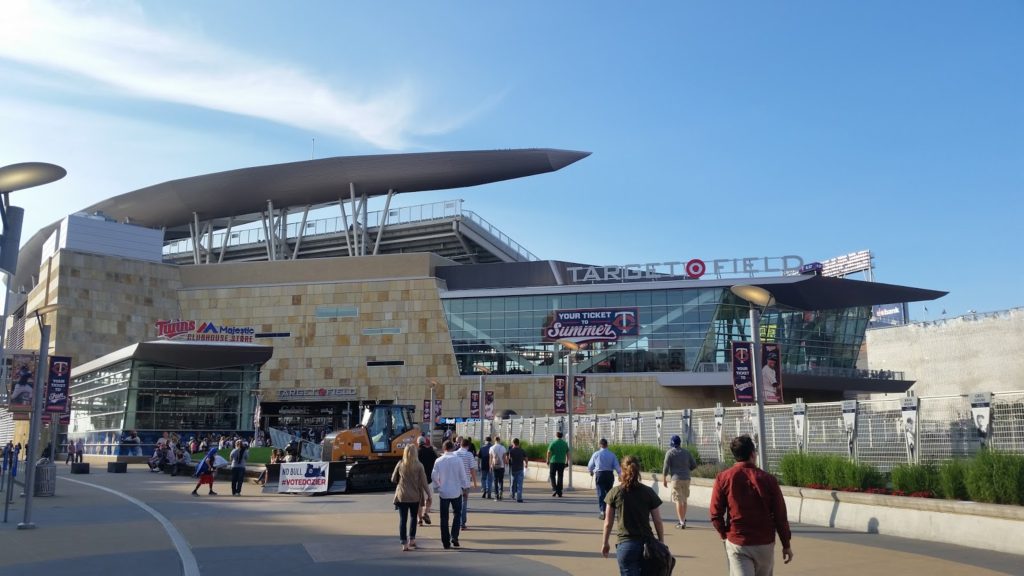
{"x":107,"y":303}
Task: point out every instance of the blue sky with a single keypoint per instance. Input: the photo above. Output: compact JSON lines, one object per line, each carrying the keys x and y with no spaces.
{"x":718,"y":130}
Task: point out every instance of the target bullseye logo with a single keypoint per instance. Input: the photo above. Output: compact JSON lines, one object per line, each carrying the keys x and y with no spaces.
{"x":695,"y":268}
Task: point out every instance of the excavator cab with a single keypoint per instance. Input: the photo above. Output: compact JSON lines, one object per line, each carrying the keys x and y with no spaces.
{"x":384,"y":423}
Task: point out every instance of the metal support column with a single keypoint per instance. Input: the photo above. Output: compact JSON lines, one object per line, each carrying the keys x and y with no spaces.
{"x":383,"y":221}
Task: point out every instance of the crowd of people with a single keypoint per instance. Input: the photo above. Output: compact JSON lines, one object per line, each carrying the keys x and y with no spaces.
{"x":747,"y":507}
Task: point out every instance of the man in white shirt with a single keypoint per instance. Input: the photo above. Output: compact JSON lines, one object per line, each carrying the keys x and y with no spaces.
{"x":450,"y":482}
{"x":469,"y":461}
{"x":497,"y":455}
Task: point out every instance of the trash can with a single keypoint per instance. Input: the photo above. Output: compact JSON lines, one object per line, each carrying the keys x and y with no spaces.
{"x":46,"y":478}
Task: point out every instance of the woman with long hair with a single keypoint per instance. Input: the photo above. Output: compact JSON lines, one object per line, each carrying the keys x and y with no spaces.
{"x":630,"y":506}
{"x":412,"y":489}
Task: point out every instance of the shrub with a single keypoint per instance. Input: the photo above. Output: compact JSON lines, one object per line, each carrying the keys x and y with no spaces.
{"x":995,"y":477}
{"x":952,"y":478}
{"x":709,"y":470}
{"x":915,"y":478}
{"x":651,"y":457}
{"x":827,"y":471}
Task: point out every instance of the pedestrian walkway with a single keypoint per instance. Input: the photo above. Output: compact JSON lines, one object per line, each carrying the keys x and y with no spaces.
{"x":98,"y":532}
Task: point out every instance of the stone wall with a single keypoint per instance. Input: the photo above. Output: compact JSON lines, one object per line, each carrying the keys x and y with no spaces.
{"x":972,"y":353}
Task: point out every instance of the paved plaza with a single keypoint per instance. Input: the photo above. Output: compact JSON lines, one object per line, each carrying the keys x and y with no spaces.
{"x":148,"y":524}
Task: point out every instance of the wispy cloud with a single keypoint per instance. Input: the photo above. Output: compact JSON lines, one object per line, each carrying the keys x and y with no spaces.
{"x":113,"y":44}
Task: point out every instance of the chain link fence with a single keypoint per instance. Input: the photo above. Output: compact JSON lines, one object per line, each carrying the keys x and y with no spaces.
{"x":880,"y":436}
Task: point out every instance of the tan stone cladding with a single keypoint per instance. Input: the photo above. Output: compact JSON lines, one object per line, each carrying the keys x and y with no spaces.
{"x":339,"y":313}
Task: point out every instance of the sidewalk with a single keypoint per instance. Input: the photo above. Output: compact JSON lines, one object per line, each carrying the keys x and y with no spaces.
{"x":100,"y":533}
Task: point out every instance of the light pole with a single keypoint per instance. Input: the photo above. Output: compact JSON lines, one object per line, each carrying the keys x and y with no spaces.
{"x":39,"y":390}
{"x":572,"y":347}
{"x":758,"y":300}
{"x":430,"y":425}
{"x":16,"y":177}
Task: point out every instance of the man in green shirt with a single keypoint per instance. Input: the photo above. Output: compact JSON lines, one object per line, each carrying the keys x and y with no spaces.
{"x":558,"y":458}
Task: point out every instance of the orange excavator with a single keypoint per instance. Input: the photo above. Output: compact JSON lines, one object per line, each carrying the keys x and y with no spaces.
{"x":370,"y":451}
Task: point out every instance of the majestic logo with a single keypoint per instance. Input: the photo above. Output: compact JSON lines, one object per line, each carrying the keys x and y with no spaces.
{"x":206,"y":331}
{"x":173,"y":328}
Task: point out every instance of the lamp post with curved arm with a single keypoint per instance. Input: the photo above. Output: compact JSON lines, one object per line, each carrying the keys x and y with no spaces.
{"x":572,"y":347}
{"x":758,"y":299}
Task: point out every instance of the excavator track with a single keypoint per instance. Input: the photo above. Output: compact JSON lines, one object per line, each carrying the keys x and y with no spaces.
{"x":370,"y":475}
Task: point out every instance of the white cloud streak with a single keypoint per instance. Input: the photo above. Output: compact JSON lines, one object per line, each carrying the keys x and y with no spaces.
{"x":118,"y":48}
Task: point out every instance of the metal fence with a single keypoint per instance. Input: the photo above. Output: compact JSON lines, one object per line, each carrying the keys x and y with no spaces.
{"x":880,"y":435}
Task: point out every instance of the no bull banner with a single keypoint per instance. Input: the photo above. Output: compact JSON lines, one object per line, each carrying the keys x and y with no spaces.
{"x":304,"y":477}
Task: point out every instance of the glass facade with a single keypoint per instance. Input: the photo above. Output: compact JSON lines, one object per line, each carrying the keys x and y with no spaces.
{"x":153,"y":399}
{"x":681,"y":330}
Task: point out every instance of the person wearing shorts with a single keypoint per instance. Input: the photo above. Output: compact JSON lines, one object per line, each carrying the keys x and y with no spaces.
{"x":678,"y":464}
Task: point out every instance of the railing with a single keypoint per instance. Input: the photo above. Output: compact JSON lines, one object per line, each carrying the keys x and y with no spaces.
{"x":327,"y":226}
{"x":945,"y":430}
{"x":499,"y":235}
{"x":334,"y":225}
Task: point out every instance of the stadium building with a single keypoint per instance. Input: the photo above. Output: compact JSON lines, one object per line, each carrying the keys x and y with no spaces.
{"x":273,"y":294}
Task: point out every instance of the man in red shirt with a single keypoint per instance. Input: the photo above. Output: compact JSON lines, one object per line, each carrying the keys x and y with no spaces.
{"x":751,"y":500}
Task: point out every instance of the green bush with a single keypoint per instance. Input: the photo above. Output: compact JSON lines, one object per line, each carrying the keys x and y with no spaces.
{"x":829,"y":471}
{"x":256,"y":455}
{"x":651,"y":457}
{"x":911,"y":478}
{"x":996,"y":477}
{"x":709,"y":470}
{"x":952,"y":478}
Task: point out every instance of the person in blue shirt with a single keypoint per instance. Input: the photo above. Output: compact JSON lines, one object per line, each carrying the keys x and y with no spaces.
{"x":603,"y":464}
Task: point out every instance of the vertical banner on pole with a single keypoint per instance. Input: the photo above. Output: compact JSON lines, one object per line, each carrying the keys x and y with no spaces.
{"x":474,"y":404}
{"x":743,"y":371}
{"x":800,"y":424}
{"x":22,"y":384}
{"x":56,"y":399}
{"x":489,"y":405}
{"x":850,"y":425}
{"x":719,"y":430}
{"x":426,"y":410}
{"x":437,"y":409}
{"x":613,"y":425}
{"x":579,"y":394}
{"x":908,"y":416}
{"x":771,"y":373}
{"x":560,"y":396}
{"x":687,"y":425}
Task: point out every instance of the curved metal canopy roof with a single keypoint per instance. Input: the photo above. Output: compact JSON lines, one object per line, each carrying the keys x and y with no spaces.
{"x":174,"y":204}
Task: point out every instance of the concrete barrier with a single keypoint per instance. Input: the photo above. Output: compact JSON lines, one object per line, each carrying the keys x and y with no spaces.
{"x":985,"y":526}
{"x":117,"y":467}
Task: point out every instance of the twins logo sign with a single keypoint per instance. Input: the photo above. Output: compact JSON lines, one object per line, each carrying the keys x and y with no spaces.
{"x":592,"y":325}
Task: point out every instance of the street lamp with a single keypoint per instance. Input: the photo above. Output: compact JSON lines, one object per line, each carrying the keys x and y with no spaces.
{"x":572,"y":347}
{"x":759,"y":299}
{"x":16,"y":177}
{"x":37,"y":408}
{"x":430,"y":424}
{"x":484,"y":371}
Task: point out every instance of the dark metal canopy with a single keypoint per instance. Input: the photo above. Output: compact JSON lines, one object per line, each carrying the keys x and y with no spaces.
{"x":187,"y":355}
{"x":313,"y":182}
{"x":826,"y":293}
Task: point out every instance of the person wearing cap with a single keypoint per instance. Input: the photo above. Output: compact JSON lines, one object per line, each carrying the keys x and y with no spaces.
{"x":603,"y":464}
{"x":678,"y":464}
